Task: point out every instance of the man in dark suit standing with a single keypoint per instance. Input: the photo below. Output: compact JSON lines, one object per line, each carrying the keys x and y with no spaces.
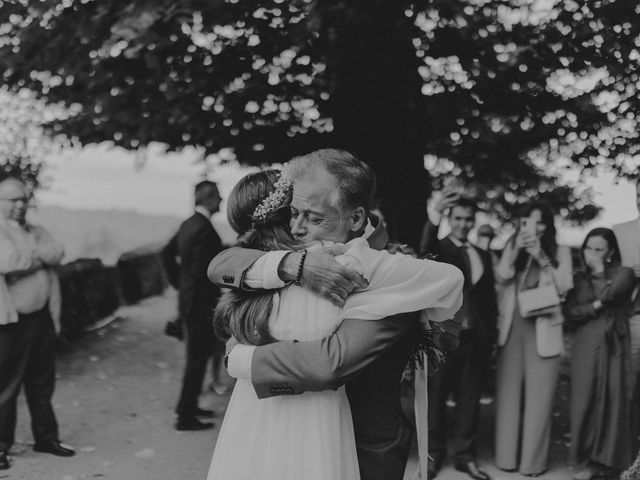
{"x":465,"y":367}
{"x":186,"y":258}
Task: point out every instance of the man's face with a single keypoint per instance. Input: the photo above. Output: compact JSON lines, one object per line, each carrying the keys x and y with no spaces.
{"x":13,"y":200}
{"x":461,"y":220}
{"x":313,"y":216}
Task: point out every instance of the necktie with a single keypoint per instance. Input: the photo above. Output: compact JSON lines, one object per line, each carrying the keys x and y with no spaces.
{"x":466,"y":264}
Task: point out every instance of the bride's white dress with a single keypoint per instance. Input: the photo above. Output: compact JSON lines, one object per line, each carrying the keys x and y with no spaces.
{"x":296,"y":437}
{"x":310,"y":436}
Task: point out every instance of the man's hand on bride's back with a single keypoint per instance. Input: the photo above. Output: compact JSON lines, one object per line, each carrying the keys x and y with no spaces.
{"x":322,"y":274}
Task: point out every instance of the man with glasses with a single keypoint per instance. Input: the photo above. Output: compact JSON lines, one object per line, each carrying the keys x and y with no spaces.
{"x":29,"y":300}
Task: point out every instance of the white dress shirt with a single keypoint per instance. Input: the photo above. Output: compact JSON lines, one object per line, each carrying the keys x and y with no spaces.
{"x":22,"y":247}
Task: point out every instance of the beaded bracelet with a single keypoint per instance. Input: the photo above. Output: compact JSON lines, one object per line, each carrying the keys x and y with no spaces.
{"x":299,"y":276}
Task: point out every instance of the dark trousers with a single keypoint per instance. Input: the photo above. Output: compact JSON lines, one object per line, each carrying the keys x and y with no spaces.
{"x":461,"y":375}
{"x":27,"y":357}
{"x":200,"y":344}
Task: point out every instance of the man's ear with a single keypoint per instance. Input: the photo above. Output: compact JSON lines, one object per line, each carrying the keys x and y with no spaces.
{"x":358,"y":219}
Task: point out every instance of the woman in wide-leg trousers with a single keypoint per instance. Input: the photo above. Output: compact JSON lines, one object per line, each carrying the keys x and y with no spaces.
{"x":525,"y":389}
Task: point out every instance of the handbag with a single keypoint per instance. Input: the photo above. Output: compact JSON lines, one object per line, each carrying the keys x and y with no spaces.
{"x":549,"y":337}
{"x":538,"y":301}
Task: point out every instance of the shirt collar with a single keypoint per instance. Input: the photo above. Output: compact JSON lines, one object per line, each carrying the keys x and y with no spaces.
{"x":203,"y":211}
{"x":369,"y":229}
{"x":457,"y":242}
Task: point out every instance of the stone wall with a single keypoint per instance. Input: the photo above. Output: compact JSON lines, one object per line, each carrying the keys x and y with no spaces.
{"x":141,"y":273}
{"x":91,"y":291}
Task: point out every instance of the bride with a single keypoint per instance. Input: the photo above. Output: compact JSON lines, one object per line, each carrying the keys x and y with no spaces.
{"x":308,"y":436}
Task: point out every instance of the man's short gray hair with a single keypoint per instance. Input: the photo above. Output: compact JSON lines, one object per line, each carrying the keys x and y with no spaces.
{"x":356,"y":180}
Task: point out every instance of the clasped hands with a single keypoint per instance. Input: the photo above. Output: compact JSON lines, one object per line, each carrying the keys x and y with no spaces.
{"x":323,"y":274}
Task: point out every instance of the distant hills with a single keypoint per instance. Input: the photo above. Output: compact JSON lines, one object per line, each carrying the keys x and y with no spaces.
{"x":106,"y":234}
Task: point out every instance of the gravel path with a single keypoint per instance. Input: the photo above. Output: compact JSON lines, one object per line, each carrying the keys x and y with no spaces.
{"x":114,"y":399}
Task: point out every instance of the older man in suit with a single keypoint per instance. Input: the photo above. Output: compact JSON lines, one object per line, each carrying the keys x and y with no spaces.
{"x":332,"y":193}
{"x":465,"y":367}
{"x":186,"y":258}
{"x":29,"y":301}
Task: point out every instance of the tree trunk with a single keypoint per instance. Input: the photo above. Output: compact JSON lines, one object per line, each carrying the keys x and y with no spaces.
{"x":377,"y":109}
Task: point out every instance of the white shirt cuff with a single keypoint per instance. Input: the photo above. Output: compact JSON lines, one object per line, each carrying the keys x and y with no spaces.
{"x":239,"y":365}
{"x":263,"y":274}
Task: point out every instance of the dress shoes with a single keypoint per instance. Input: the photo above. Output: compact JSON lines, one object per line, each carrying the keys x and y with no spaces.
{"x":193,"y":424}
{"x":4,"y":461}
{"x":202,"y":413}
{"x":594,"y":472}
{"x":471,"y":469}
{"x":54,"y":448}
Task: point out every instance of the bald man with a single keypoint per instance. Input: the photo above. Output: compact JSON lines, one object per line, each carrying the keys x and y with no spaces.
{"x":29,"y":296}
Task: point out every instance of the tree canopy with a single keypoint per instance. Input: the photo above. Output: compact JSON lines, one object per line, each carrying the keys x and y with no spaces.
{"x":501,"y":94}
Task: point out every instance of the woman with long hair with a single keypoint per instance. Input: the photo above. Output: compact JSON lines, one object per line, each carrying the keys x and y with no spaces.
{"x":309,"y":435}
{"x":530,"y":346}
{"x":597,"y":310}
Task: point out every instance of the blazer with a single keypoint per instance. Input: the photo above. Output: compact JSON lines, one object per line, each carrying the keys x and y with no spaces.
{"x":186,"y":258}
{"x":479,"y":300}
{"x":562,"y":277}
{"x":369,"y":356}
{"x":628,"y":236}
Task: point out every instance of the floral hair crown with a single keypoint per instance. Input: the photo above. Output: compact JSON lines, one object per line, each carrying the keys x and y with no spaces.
{"x":276,"y":198}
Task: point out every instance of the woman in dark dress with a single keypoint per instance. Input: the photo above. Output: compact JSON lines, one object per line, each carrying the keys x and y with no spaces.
{"x":597,"y":310}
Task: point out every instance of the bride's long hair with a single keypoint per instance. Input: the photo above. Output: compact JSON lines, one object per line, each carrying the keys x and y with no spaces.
{"x":245,"y":314}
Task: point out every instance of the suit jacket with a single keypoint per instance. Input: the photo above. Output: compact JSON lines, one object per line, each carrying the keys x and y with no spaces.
{"x":479,"y":300}
{"x":369,"y":356}
{"x":628,"y":236}
{"x":186,"y":258}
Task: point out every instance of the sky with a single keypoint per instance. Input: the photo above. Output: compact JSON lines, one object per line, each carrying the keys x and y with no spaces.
{"x":104,"y":177}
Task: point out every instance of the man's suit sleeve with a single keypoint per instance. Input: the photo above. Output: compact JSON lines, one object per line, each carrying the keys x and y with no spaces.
{"x":293,"y":367}
{"x":429,"y":240}
{"x":230,"y":266}
{"x":200,"y":243}
{"x":169,"y":254}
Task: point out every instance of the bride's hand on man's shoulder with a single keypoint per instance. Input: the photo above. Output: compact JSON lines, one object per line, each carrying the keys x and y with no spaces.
{"x":323,"y":274}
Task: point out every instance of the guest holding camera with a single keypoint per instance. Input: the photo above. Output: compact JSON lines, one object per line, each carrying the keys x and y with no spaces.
{"x":464,"y":371}
{"x":534,"y":272}
{"x":597,"y":307}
